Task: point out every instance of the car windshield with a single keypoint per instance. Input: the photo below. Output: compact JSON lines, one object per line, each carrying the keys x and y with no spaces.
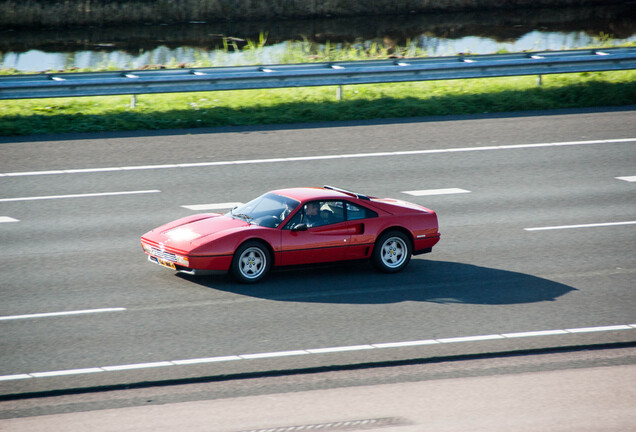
{"x":268,"y":210}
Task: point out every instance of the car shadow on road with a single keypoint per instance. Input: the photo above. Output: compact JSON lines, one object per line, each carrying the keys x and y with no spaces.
{"x":422,"y":280}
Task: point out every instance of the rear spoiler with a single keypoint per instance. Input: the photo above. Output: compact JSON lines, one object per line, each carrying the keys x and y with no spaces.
{"x":348,"y":192}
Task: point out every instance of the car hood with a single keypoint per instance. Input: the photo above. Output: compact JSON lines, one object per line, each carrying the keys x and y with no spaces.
{"x":188,"y":233}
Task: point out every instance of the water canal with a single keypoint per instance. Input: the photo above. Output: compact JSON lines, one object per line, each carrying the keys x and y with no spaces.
{"x":222,"y":44}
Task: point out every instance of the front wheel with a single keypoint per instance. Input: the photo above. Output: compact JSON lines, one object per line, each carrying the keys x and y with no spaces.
{"x":392,"y":252}
{"x":251,"y":262}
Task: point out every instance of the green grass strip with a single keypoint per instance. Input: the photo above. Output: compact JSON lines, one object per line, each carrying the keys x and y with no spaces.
{"x":311,"y":104}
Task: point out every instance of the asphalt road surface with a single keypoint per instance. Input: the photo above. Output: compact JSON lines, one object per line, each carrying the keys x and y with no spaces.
{"x":548,"y":392}
{"x":537,"y":213}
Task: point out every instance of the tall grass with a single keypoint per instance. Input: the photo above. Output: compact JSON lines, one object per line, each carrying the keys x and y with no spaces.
{"x":257,"y":52}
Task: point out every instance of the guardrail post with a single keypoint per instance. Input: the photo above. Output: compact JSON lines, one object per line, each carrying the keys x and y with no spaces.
{"x":133,"y":101}
{"x":339,"y":93}
{"x":539,"y":80}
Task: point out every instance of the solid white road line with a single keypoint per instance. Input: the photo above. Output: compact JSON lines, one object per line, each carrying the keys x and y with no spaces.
{"x":324,"y":157}
{"x":218,"y":206}
{"x":470,"y":338}
{"x":594,"y":225}
{"x":428,"y":192}
{"x":627,"y":179}
{"x":389,"y":345}
{"x":339,"y":349}
{"x":66,"y":372}
{"x":535,"y":333}
{"x":205,"y":360}
{"x":597,"y":329}
{"x":137,"y":366}
{"x":274,"y":354}
{"x":406,"y":344}
{"x":57,"y":314}
{"x":6,"y":219}
{"x":102,"y":194}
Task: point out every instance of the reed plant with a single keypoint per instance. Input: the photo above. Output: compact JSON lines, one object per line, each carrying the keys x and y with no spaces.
{"x":254,"y":52}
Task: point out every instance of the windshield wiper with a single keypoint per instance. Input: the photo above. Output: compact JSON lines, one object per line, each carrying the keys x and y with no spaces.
{"x":243,"y":216}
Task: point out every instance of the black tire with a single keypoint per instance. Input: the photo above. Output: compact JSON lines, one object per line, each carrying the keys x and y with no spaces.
{"x":392,"y":252}
{"x":251,"y":262}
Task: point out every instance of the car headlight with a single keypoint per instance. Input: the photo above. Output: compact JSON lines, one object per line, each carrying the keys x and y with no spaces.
{"x":147,"y":248}
{"x":183,"y":260}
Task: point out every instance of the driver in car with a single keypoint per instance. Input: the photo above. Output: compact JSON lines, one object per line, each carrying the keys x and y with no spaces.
{"x":312,"y":215}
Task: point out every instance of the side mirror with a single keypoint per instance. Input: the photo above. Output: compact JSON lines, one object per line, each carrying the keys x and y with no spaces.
{"x":300,"y":227}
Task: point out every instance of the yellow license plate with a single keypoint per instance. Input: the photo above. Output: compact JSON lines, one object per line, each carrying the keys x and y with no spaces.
{"x":164,"y":263}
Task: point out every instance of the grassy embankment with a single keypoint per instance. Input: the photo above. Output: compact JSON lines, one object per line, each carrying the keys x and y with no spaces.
{"x":249,"y":107}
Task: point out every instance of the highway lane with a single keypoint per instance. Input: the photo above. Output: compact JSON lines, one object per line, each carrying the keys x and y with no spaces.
{"x":196,"y":145}
{"x":487,"y":276}
{"x":558,"y":391}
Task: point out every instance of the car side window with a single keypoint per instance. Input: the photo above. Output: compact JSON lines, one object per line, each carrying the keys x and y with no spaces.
{"x":295,"y":221}
{"x":355,"y":212}
{"x":318,"y":213}
{"x":332,"y":212}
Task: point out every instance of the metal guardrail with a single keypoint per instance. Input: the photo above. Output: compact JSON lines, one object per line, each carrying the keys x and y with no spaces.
{"x":47,"y":85}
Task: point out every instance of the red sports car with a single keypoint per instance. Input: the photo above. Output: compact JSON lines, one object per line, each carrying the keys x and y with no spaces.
{"x":295,"y":226}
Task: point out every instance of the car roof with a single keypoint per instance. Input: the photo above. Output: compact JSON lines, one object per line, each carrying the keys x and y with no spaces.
{"x":309,"y":193}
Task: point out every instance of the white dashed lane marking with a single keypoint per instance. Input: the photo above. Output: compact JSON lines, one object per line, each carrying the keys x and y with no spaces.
{"x":218,"y":206}
{"x":428,"y":192}
{"x":627,"y":179}
{"x":58,"y":314}
{"x":87,"y":195}
{"x":593,"y":225}
{"x":7,"y":219}
{"x":316,"y":351}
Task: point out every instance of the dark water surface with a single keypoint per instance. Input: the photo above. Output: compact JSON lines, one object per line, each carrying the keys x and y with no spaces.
{"x":202,"y":43}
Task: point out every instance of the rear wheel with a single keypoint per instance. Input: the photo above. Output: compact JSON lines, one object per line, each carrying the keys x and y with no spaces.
{"x":392,"y":252}
{"x":251,"y":262}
